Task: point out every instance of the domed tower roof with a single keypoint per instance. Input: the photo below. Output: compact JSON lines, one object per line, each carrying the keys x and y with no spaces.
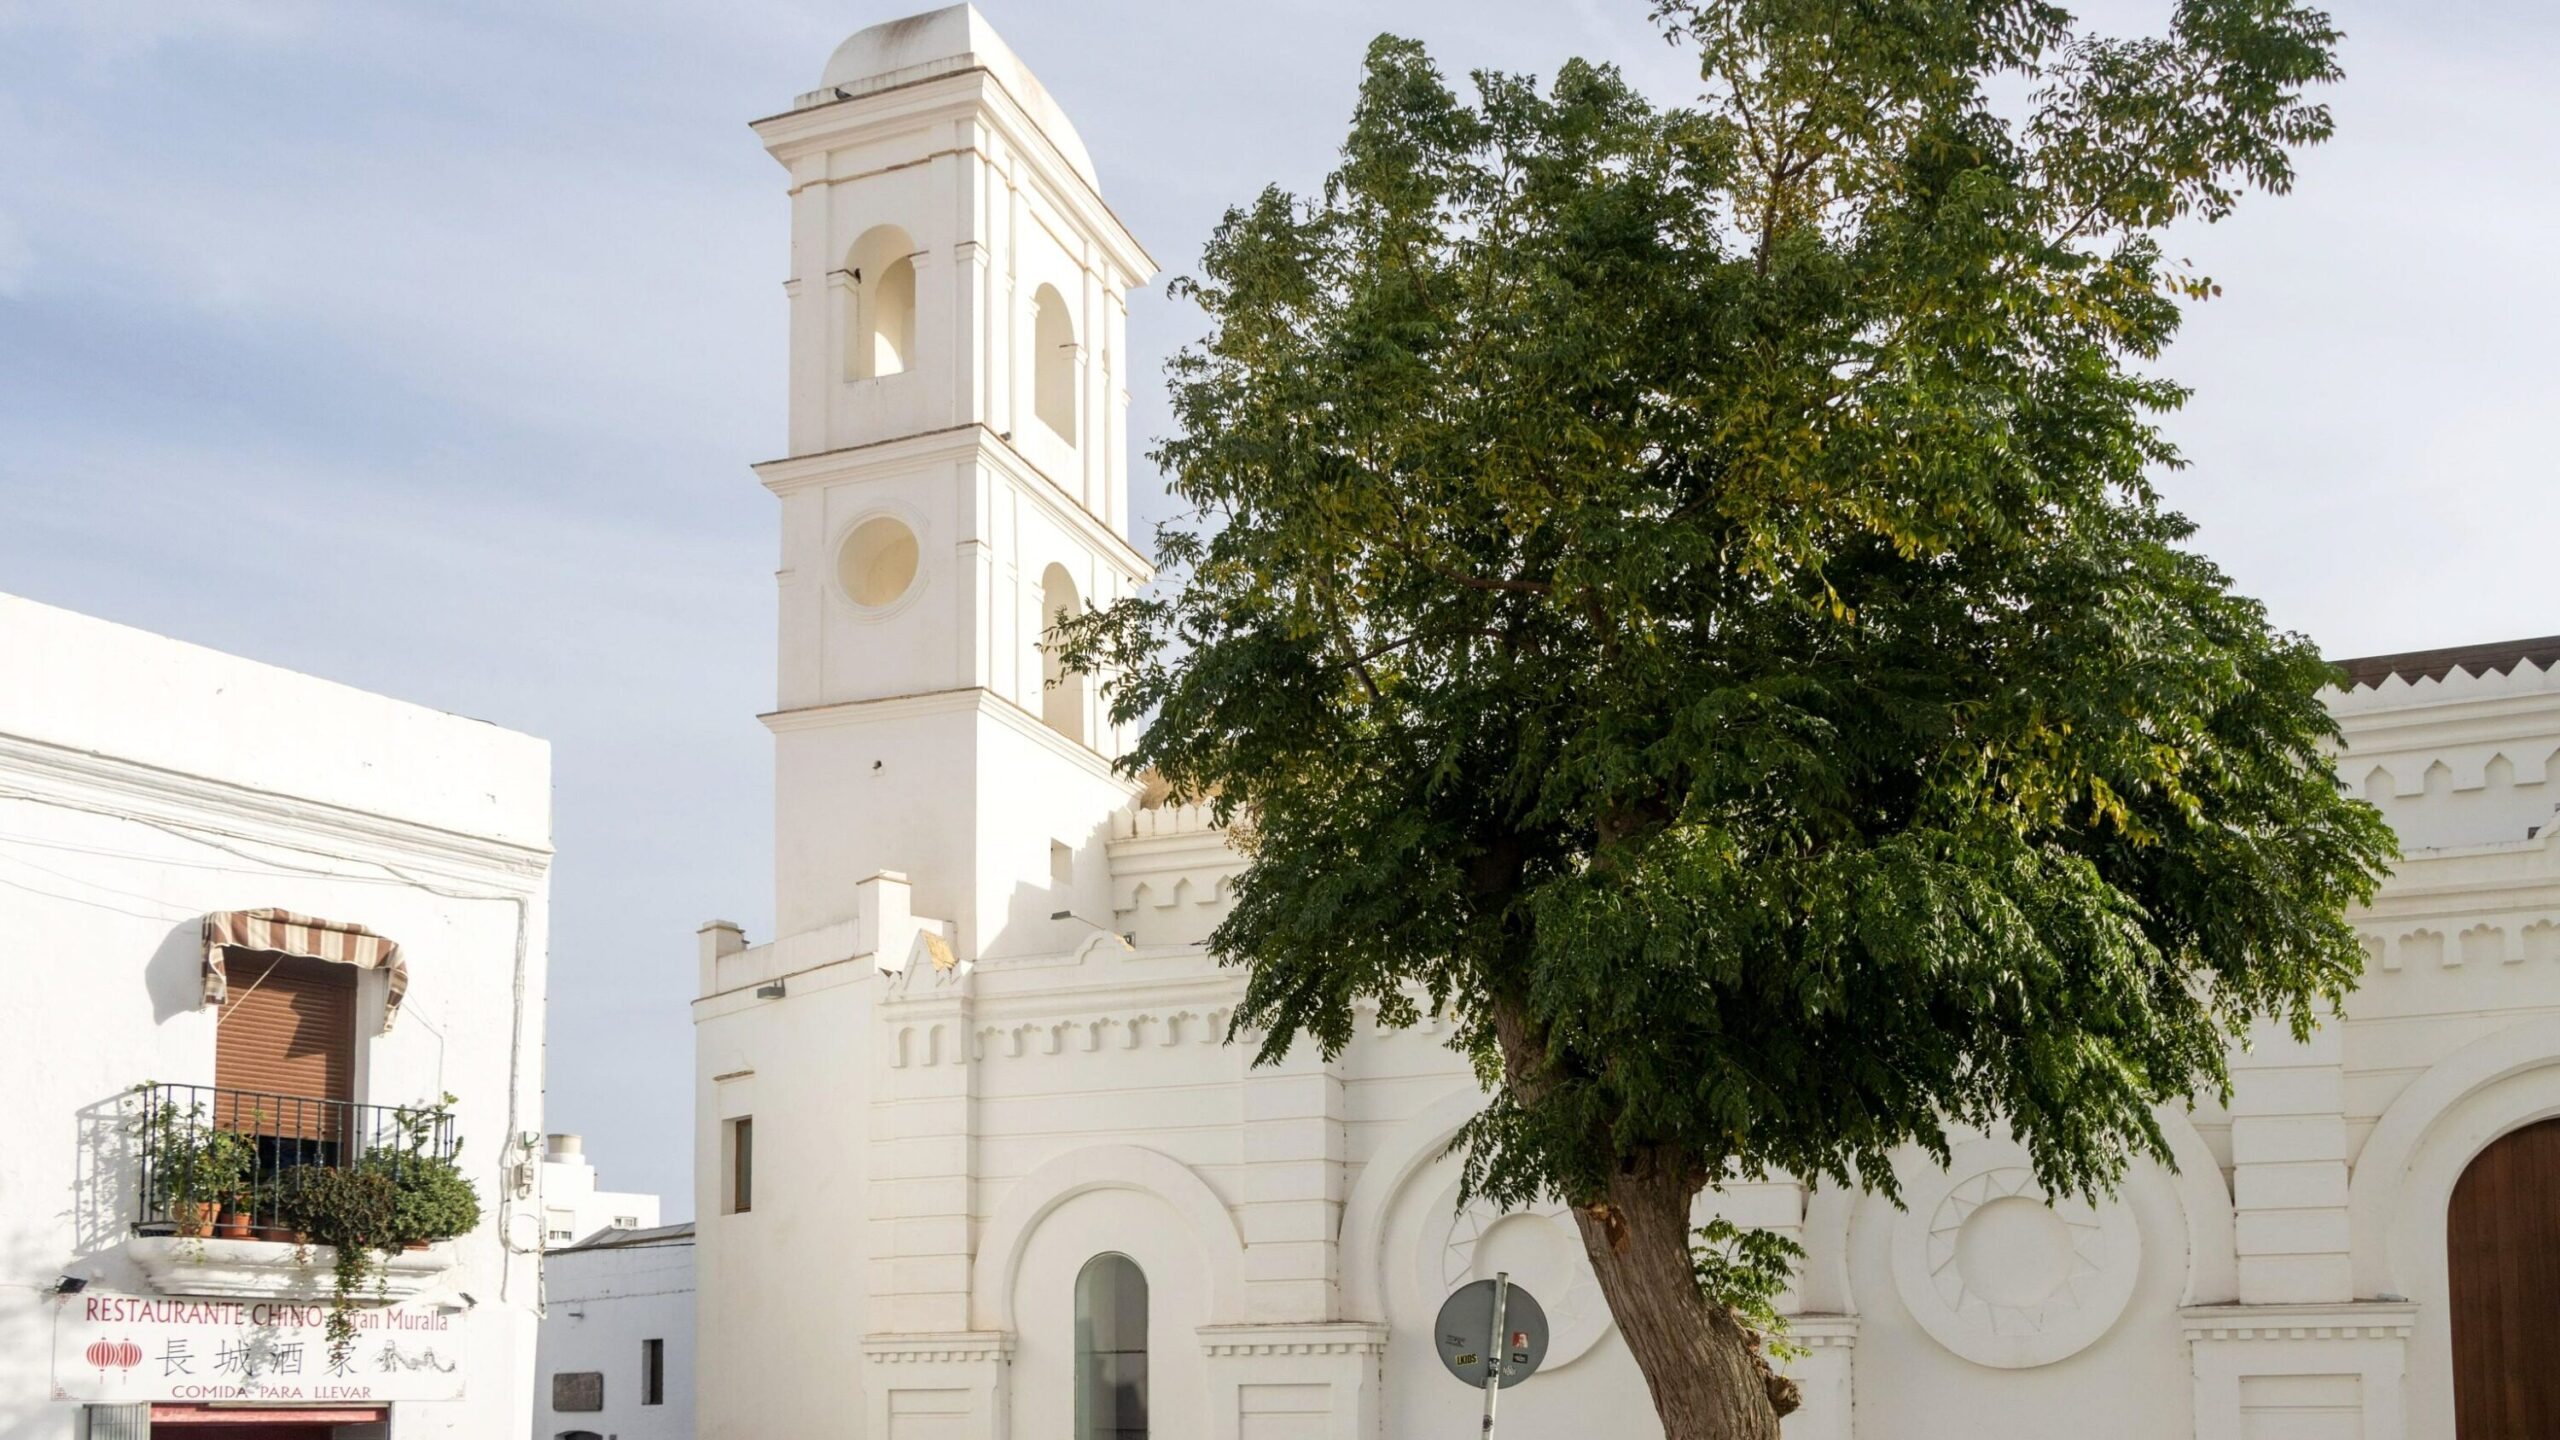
{"x":944,"y":42}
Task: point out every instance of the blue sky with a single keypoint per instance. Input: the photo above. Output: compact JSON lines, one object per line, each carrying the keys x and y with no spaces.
{"x":481,"y":301}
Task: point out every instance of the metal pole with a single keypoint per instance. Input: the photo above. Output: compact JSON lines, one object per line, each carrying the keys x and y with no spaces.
{"x":1494,"y":1348}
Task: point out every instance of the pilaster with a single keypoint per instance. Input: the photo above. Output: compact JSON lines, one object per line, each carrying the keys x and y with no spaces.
{"x":1318,"y":1381}
{"x":1824,"y":1376}
{"x":1291,"y":1214}
{"x":950,"y":1384}
{"x":2264,"y":1370}
{"x":923,"y":1141}
{"x":2289,"y":1167}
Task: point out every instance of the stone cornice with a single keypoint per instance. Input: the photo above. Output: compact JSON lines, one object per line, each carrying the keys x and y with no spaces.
{"x":1328,"y":1337}
{"x":1822,"y":1332}
{"x":973,"y":93}
{"x":263,"y":817}
{"x":2361,"y":1320}
{"x":937,"y":702}
{"x":973,"y":438}
{"x":945,"y":1347}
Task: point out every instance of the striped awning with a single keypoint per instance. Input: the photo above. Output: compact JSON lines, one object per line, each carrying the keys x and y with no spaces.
{"x":283,"y":932}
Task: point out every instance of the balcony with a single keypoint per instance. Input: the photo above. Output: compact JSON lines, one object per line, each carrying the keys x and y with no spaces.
{"x":225,"y":1174}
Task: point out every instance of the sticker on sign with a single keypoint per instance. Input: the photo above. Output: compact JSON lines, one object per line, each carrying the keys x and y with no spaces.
{"x":1467,"y":1339}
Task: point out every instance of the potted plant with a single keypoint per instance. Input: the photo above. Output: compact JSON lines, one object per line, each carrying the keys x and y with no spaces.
{"x":196,"y":1166}
{"x":436,"y":1202}
{"x":397,"y":1197}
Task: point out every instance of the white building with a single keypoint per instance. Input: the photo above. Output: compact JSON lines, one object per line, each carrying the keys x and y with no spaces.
{"x":617,"y":1338}
{"x":573,"y":1208}
{"x":291,"y":906}
{"x":959,"y":1158}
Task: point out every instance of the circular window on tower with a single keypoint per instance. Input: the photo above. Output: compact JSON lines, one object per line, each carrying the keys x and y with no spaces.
{"x":876,"y":563}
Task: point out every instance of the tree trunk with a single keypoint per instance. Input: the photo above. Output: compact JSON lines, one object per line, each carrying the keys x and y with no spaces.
{"x":1706,"y":1377}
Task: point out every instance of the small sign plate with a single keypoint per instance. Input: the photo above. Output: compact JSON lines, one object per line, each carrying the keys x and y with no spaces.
{"x":1465,"y":1329}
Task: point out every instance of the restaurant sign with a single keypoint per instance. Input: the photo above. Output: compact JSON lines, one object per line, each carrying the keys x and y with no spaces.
{"x":130,"y":1348}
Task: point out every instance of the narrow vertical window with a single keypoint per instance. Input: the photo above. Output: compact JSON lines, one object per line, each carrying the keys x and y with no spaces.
{"x":1111,"y":1350}
{"x":653,"y":1372}
{"x":741,"y":1168}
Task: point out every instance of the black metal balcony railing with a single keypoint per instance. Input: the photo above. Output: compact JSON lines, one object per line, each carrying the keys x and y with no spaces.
{"x":236,"y":1151}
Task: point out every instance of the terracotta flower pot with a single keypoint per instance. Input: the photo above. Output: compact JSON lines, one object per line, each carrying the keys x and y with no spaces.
{"x":195,"y":1218}
{"x":235,"y":1225}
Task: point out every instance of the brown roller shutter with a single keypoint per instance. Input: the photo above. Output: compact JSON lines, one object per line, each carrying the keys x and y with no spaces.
{"x":288,"y":1033}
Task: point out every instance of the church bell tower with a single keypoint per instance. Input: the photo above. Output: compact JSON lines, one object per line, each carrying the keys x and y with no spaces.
{"x":956,"y":476}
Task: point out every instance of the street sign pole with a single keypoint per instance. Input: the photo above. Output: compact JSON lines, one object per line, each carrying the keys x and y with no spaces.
{"x":1496,"y":1348}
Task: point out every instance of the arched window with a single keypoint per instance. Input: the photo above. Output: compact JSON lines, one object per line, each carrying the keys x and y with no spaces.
{"x":1111,"y":1350}
{"x":880,"y":304}
{"x":1053,"y":370}
{"x":1061,"y":690}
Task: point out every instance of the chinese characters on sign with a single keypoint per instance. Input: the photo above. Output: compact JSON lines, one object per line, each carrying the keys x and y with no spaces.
{"x":128,"y":1348}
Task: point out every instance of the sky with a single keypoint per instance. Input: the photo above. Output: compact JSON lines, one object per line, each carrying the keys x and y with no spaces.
{"x":482,"y":301}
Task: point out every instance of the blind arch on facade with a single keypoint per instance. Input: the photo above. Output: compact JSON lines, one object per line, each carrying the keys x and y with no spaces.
{"x":306,"y":937}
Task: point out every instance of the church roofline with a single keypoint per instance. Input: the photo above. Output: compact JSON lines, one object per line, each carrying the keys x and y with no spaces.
{"x":2497,"y":657}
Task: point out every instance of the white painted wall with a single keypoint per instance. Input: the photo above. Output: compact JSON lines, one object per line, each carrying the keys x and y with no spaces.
{"x":143,"y":783}
{"x":608,"y":1296}
{"x":941,"y":1146}
{"x":573,"y":1209}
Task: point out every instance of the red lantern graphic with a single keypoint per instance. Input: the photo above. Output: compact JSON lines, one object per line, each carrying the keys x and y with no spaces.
{"x":120,"y":1354}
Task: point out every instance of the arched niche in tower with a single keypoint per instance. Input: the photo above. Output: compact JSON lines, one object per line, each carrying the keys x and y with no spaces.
{"x":880,"y":304}
{"x":1053,"y":367}
{"x":1061,"y":690}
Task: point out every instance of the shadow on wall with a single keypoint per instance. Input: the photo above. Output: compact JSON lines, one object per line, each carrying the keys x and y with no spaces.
{"x":174,"y":975}
{"x":1080,"y":884}
{"x":106,"y":1173}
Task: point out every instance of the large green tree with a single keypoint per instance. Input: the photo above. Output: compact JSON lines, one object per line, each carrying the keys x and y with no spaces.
{"x":1683,"y":589}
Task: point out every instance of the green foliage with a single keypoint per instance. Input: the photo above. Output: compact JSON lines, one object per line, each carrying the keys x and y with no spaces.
{"x":435,"y":1201}
{"x":1684,"y":590}
{"x":1743,"y":1270}
{"x":354,"y":1210}
{"x":391,"y":1198}
{"x":193,"y":1161}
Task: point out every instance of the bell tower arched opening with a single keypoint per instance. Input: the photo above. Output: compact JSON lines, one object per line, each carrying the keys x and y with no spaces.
{"x":880,"y":304}
{"x":1053,"y":372}
{"x":1061,"y":689}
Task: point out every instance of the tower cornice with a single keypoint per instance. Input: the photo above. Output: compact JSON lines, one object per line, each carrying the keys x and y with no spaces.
{"x":859,"y":462}
{"x":795,"y":137}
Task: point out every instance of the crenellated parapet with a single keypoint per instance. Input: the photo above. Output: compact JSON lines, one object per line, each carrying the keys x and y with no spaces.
{"x":1171,"y":869}
{"x":2461,"y":758}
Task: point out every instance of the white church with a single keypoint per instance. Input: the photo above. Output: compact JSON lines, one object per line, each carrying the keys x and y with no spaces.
{"x":974,"y":1160}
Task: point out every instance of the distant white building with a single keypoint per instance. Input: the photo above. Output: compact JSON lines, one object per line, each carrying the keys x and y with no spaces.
{"x":287,"y":908}
{"x":617,"y":1351}
{"x":972,"y":1164}
{"x":573,"y":1208}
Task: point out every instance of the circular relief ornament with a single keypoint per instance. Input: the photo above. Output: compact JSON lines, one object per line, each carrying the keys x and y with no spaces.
{"x":2001,"y":1273}
{"x":1540,"y":1248}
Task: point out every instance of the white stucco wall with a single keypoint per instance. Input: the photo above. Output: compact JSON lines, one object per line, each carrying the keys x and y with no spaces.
{"x":573,"y":1208}
{"x":607,"y":1297}
{"x":143,"y":783}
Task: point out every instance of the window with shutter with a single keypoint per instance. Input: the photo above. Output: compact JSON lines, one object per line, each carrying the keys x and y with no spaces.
{"x":287,"y":1042}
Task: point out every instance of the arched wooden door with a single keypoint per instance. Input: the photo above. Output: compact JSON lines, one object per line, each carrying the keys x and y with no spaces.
{"x":2502,"y":1244}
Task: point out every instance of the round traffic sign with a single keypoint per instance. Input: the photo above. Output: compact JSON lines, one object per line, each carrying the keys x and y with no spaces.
{"x":1466,"y":1342}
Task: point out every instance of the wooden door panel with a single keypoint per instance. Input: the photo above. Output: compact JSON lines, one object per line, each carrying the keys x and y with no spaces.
{"x":2502,"y":1244}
